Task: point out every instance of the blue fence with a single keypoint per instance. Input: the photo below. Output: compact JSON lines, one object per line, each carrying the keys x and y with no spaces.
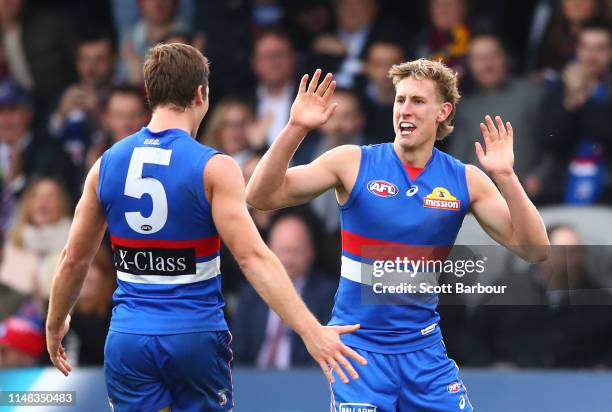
{"x":306,"y":390}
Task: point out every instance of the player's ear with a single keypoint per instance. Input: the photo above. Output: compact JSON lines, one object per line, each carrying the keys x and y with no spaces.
{"x":200,"y":95}
{"x":445,"y":110}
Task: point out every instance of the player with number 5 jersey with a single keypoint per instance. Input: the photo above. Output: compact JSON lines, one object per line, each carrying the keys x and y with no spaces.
{"x":167,"y":202}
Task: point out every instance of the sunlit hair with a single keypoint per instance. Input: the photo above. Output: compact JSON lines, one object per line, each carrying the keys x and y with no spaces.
{"x":24,"y":213}
{"x":444,"y":78}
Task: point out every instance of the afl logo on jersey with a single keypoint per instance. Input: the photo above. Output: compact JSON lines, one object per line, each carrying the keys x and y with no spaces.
{"x":441,"y":198}
{"x":382,"y":188}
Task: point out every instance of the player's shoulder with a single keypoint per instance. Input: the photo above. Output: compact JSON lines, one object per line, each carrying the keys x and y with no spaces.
{"x":340,"y":159}
{"x":127,"y":143}
{"x":222,"y":168}
{"x":342,"y":154}
{"x":477,"y":180}
{"x":448,"y":158}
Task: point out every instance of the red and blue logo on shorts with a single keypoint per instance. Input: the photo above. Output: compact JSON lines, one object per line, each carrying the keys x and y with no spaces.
{"x":454,"y":387}
{"x":382,"y":188}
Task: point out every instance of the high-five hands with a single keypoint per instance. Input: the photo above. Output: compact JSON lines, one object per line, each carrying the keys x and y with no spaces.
{"x":498,"y":159}
{"x":311,"y":107}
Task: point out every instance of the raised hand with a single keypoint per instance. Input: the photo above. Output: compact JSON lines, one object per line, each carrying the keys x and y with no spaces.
{"x":311,"y":107}
{"x":499,"y":156}
{"x":330,"y":353}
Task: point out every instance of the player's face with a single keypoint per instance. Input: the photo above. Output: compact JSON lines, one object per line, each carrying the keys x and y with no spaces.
{"x":417,"y":111}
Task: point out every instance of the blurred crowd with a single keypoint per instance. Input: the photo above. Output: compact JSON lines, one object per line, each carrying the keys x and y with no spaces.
{"x":71,"y":86}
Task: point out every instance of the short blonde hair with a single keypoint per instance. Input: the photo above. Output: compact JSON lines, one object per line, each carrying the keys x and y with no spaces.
{"x":444,"y":78}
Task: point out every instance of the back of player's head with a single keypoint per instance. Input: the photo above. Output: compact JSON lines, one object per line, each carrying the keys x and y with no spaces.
{"x":172,"y":74}
{"x":443,"y":77}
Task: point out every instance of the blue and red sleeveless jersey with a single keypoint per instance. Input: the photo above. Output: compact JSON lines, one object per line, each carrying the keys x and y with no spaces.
{"x":387,"y":210}
{"x":165,"y":244}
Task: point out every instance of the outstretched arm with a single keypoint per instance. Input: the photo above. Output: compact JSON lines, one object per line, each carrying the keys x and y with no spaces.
{"x":83,"y":242}
{"x":225,"y":191}
{"x":506,"y":214}
{"x":273,"y":186}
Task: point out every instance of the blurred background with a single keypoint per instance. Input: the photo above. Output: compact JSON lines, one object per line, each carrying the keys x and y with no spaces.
{"x":71,"y":86}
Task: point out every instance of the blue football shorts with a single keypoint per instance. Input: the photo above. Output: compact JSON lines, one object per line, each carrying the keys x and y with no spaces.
{"x":425,"y":380}
{"x":187,"y":371}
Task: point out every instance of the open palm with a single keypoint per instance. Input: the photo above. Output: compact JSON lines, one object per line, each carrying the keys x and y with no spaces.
{"x":499,"y":155}
{"x":311,"y":107}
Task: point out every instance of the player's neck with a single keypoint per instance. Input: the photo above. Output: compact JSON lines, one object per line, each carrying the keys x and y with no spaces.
{"x":414,"y":156}
{"x":164,"y":118}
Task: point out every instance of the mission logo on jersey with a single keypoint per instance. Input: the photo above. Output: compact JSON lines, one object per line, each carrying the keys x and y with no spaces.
{"x":440,"y":198}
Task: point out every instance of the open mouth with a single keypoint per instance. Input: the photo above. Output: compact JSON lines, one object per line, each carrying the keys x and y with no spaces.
{"x":406,"y":128}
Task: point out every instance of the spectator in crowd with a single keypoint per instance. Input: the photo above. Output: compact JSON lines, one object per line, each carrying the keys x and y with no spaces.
{"x":76,"y":116}
{"x":25,"y":154}
{"x":549,"y":303}
{"x":233,"y":130}
{"x":515,"y":99}
{"x":273,"y":63}
{"x":344,"y":127}
{"x":343,"y":51}
{"x":261,"y":338}
{"x":377,"y":90}
{"x":227,"y":43}
{"x":159,"y":18}
{"x":92,"y":313}
{"x":126,"y":14}
{"x":554,"y":34}
{"x":576,"y":127}
{"x":38,"y":44}
{"x":308,"y":20}
{"x":10,"y":300}
{"x":124,"y":113}
{"x":448,"y":36}
{"x":22,"y":343}
{"x":37,"y":237}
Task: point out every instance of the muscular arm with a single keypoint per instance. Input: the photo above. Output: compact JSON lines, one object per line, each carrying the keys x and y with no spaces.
{"x":83,"y":242}
{"x":273,"y":186}
{"x":225,"y":190}
{"x":507,"y":214}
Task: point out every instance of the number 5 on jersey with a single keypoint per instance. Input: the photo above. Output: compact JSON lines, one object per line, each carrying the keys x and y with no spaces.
{"x":136,"y":186}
